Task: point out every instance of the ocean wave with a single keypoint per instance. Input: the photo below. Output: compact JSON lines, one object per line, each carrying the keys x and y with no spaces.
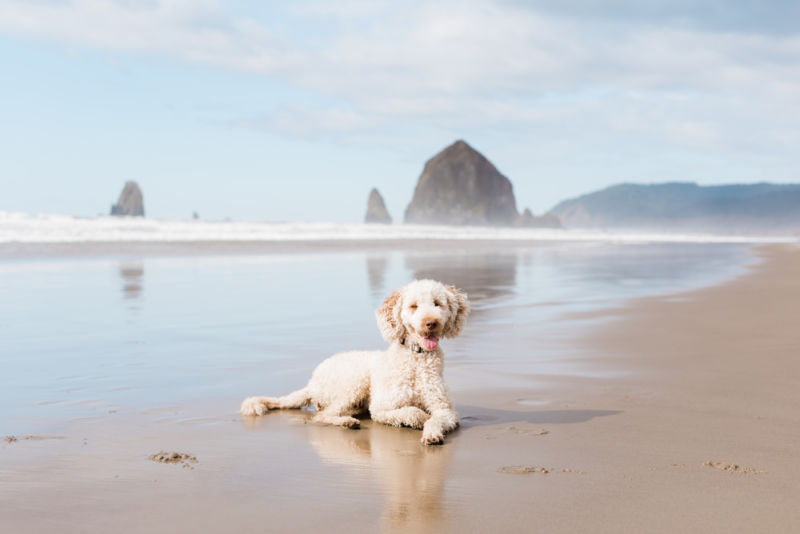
{"x":45,"y":228}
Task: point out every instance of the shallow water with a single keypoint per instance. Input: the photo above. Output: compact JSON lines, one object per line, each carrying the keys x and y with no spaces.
{"x":84,"y":338}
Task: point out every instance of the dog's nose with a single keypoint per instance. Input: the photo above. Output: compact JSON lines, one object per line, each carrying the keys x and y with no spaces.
{"x":430,"y":324}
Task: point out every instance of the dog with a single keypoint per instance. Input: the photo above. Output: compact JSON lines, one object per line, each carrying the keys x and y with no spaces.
{"x":401,"y":386}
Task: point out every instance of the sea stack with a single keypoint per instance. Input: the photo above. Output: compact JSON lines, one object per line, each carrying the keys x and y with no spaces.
{"x":459,"y":186}
{"x":529,"y":220}
{"x":376,"y":209}
{"x":130,"y":201}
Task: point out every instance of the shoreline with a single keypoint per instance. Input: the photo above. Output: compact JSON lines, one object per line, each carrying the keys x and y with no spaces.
{"x":711,"y":385}
{"x":115,"y":249}
{"x":707,"y":427}
{"x":122,"y":249}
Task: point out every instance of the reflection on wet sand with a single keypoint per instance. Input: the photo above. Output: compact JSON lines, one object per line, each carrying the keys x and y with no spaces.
{"x":132,"y":274}
{"x":376,"y":272}
{"x":483,"y":275}
{"x":645,"y":265}
{"x":410,"y":478}
{"x":411,"y":475}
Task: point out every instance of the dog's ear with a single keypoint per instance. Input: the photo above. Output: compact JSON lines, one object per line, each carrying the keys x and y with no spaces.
{"x":459,"y":309}
{"x":388,"y":316}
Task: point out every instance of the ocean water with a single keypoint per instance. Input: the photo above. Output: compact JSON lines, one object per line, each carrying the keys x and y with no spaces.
{"x":27,"y":228}
{"x":84,"y":338}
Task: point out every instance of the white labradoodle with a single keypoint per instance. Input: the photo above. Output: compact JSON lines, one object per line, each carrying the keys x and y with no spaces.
{"x":401,"y":386}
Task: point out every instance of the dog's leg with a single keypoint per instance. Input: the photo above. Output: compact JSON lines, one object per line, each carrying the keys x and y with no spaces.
{"x":260,"y":405}
{"x":338,"y":415}
{"x":406,"y":416}
{"x":441,"y":422}
{"x":443,"y":418}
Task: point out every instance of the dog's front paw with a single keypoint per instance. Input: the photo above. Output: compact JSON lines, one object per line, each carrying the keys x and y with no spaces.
{"x":432,"y":438}
{"x":351,"y":422}
{"x":414,"y":417}
{"x":253,"y":406}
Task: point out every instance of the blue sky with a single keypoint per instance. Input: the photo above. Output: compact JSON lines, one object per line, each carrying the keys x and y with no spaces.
{"x":293,"y":111}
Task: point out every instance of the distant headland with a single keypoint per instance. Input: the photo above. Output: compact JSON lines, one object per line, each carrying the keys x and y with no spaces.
{"x":681,"y":206}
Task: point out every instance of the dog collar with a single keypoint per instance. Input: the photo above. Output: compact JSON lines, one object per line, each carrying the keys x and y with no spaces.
{"x":414,"y":346}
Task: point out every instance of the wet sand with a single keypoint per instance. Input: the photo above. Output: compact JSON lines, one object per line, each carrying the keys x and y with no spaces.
{"x":691,"y":424}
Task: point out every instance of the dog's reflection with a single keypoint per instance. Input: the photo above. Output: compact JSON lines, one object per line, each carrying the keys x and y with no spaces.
{"x":411,"y":475}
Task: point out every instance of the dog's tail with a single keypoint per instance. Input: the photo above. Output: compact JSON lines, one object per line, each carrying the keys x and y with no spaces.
{"x":260,"y":405}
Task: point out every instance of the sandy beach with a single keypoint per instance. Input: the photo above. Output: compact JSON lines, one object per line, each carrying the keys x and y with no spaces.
{"x":687,"y":422}
{"x":561,"y":239}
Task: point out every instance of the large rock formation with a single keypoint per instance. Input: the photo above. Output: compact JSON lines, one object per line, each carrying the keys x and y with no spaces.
{"x":130,"y":201}
{"x":376,"y":209}
{"x":684,"y":206}
{"x":460,"y":186}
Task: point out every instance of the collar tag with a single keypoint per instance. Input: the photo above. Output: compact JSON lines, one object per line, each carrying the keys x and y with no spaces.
{"x":414,"y":346}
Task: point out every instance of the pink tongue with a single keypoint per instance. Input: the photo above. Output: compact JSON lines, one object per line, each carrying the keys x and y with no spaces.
{"x":430,"y":342}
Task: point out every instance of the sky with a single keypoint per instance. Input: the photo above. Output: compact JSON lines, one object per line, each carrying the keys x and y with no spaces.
{"x":293,"y":111}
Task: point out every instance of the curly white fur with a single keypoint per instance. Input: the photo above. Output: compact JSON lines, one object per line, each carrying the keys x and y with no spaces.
{"x":401,"y":386}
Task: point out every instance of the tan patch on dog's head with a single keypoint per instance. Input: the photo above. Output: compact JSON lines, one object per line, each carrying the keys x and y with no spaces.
{"x":459,"y":310}
{"x":388,"y":317}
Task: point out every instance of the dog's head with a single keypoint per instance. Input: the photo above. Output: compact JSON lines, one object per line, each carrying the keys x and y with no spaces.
{"x":422,"y":312}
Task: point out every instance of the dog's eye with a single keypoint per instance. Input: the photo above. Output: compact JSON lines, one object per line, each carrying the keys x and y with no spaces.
{"x":413,"y":307}
{"x":436,"y":303}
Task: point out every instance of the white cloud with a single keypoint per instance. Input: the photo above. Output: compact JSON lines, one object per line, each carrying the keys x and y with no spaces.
{"x":196,"y":31}
{"x":460,"y":64}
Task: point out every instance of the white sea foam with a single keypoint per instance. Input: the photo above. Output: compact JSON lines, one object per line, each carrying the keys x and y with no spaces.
{"x":26,"y":228}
